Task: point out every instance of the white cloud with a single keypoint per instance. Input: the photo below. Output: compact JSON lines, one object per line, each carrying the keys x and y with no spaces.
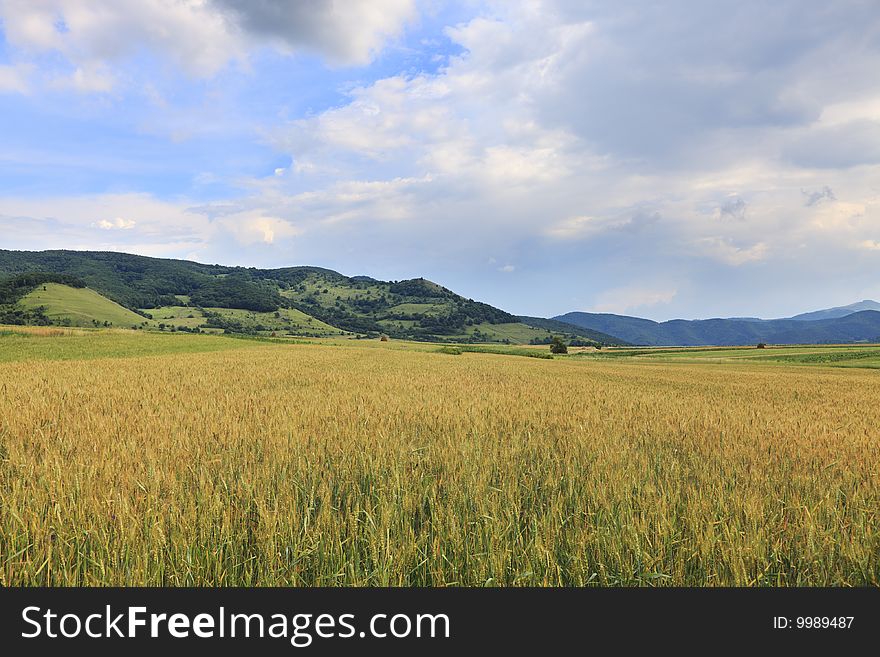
{"x":724,"y":250}
{"x":507,"y":269}
{"x":609,"y":141}
{"x":116,"y":224}
{"x":92,"y":34}
{"x":249,"y":228}
{"x":630,"y":298}
{"x":199,"y":36}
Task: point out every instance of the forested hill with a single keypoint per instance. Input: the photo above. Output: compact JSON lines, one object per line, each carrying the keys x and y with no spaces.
{"x":416,"y":309}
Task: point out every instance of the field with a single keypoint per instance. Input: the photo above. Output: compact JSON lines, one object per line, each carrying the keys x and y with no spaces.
{"x":861,"y":356}
{"x":131,"y":457}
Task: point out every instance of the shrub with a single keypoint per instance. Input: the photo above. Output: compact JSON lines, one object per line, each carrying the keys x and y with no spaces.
{"x":558,"y":346}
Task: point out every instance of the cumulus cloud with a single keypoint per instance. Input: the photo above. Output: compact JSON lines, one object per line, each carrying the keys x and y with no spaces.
{"x":595,"y":141}
{"x":199,"y":36}
{"x":92,"y":34}
{"x":249,"y":228}
{"x":346,"y":33}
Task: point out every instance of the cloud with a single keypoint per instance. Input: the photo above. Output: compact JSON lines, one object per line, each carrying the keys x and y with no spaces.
{"x":345,"y":33}
{"x":586,"y":142}
{"x":627,"y":299}
{"x":137,"y":223}
{"x":193,"y":35}
{"x":816,"y":197}
{"x":507,"y":269}
{"x":116,"y":224}
{"x":201,"y":37}
{"x":837,"y":147}
{"x":249,"y":228}
{"x":724,"y":250}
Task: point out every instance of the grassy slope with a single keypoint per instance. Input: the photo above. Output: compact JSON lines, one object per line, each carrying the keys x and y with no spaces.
{"x":290,"y":320}
{"x":81,"y":306}
{"x":176,"y":316}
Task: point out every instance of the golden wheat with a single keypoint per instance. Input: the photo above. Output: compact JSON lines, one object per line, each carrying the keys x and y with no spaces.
{"x":322,"y":465}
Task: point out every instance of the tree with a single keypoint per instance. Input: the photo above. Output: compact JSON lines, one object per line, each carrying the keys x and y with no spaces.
{"x":557,"y":346}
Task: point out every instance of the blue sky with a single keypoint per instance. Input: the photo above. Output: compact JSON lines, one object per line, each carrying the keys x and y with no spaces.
{"x":676,"y":159}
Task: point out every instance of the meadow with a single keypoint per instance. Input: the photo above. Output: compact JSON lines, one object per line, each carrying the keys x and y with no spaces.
{"x":139,"y":458}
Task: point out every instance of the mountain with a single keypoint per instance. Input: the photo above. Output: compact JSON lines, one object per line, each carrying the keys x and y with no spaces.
{"x":562,"y":328}
{"x":862,"y":326}
{"x":184,"y":295}
{"x":840,"y":311}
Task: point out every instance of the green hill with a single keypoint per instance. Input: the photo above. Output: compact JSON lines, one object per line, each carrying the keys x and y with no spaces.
{"x":296,"y":300}
{"x":71,"y":306}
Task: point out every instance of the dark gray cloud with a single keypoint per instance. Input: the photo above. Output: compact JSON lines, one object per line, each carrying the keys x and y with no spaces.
{"x":655,"y":78}
{"x":347,"y":32}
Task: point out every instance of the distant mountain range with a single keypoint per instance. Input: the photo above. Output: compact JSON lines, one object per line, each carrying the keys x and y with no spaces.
{"x":858,"y":322}
{"x":840,"y":311}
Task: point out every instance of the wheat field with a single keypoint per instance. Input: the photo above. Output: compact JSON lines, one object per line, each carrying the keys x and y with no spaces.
{"x":264,"y":464}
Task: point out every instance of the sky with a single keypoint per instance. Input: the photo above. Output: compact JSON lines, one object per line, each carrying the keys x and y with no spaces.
{"x":675,"y":159}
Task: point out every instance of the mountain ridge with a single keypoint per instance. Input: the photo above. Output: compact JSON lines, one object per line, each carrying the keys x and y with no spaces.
{"x":859,"y":326}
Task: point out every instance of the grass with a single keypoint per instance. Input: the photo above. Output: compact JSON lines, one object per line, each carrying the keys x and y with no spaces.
{"x":530,"y":352}
{"x":288,"y":320}
{"x":367,"y":463}
{"x":26,"y":344}
{"x":517,"y":333}
{"x":176,"y":316}
{"x":79,"y":306}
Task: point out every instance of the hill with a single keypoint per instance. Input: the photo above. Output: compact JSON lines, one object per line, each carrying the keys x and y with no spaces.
{"x":861,"y":326}
{"x":71,"y":306}
{"x":564,"y":328}
{"x":297,"y":300}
